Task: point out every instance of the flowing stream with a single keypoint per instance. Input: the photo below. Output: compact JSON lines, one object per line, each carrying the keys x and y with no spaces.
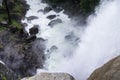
{"x":78,"y":50}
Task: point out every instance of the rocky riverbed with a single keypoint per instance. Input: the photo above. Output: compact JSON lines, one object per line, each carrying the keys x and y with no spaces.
{"x":22,"y":53}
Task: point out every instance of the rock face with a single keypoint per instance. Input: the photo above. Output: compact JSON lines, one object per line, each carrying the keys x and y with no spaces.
{"x":51,"y":76}
{"x":21,"y":55}
{"x":110,"y":71}
{"x":6,"y":73}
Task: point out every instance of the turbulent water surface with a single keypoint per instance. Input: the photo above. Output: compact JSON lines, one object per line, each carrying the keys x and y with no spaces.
{"x":72,"y":49}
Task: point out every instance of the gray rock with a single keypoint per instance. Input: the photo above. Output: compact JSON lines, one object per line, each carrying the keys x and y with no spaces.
{"x":72,"y":38}
{"x":34,"y":30}
{"x":57,"y":9}
{"x":31,"y":18}
{"x":24,"y":24}
{"x":40,"y":10}
{"x":51,"y":76}
{"x":6,"y":73}
{"x":109,"y":71}
{"x":54,"y":22}
{"x":51,"y":16}
{"x":21,"y":57}
{"x":47,"y":9}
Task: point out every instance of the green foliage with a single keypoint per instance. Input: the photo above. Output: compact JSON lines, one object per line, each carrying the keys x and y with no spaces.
{"x":3,"y":77}
{"x":16,"y":24}
{"x":85,"y":6}
{"x":88,"y":6}
{"x":57,"y":1}
{"x":1,"y":46}
{"x":2,"y":28}
{"x":3,"y":17}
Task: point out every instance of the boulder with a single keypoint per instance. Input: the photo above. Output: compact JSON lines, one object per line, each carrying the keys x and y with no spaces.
{"x":34,"y":30}
{"x":51,"y":16}
{"x":31,"y":18}
{"x":54,"y":22}
{"x":51,"y":76}
{"x":109,"y":71}
{"x":24,"y":24}
{"x":41,"y":10}
{"x":57,"y":9}
{"x":47,"y":9}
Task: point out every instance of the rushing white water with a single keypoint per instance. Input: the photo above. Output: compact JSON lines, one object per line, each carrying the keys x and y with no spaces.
{"x":99,"y":42}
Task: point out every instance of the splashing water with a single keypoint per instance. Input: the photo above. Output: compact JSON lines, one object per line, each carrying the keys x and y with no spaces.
{"x":99,"y":42}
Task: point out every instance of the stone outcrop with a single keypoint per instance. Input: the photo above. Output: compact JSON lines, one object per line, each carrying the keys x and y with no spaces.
{"x":51,"y":76}
{"x":6,"y":73}
{"x":109,"y":71}
{"x":21,"y":54}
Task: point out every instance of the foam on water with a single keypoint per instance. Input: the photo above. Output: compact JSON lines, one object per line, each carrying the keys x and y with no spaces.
{"x":97,"y":44}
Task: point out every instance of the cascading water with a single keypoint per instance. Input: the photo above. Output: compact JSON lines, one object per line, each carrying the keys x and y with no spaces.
{"x":68,"y":50}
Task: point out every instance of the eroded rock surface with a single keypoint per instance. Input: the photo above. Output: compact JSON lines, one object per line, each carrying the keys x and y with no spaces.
{"x":109,"y":71}
{"x":51,"y":76}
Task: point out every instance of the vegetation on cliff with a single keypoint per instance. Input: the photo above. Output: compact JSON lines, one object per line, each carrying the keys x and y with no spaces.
{"x":84,"y":7}
{"x":16,"y":11}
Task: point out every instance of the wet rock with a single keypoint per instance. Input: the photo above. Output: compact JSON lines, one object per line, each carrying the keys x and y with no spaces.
{"x":72,"y":38}
{"x":40,"y":10}
{"x":51,"y":76}
{"x":47,"y":9}
{"x":22,"y":57}
{"x":23,"y":33}
{"x":34,"y":30}
{"x":24,"y":24}
{"x":51,"y":16}
{"x":6,"y":73}
{"x":13,"y":29}
{"x":54,"y":22}
{"x":30,"y":38}
{"x":109,"y":71}
{"x":57,"y":9}
{"x":31,"y":18}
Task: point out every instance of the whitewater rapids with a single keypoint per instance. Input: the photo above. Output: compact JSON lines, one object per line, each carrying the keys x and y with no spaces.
{"x":96,"y":45}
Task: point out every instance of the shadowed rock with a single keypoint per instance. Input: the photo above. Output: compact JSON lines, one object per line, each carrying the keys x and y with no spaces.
{"x":6,"y":73}
{"x":47,"y":9}
{"x":54,"y":22}
{"x":51,"y":16}
{"x":109,"y":71}
{"x":21,"y":56}
{"x":31,"y":18}
{"x":34,"y":30}
{"x":40,"y":10}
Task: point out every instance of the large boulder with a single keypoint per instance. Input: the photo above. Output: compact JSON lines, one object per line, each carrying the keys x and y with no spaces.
{"x":109,"y":71}
{"x":22,"y":55}
{"x":51,"y":76}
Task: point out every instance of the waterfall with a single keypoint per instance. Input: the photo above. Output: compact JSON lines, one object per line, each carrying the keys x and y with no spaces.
{"x":76,"y":49}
